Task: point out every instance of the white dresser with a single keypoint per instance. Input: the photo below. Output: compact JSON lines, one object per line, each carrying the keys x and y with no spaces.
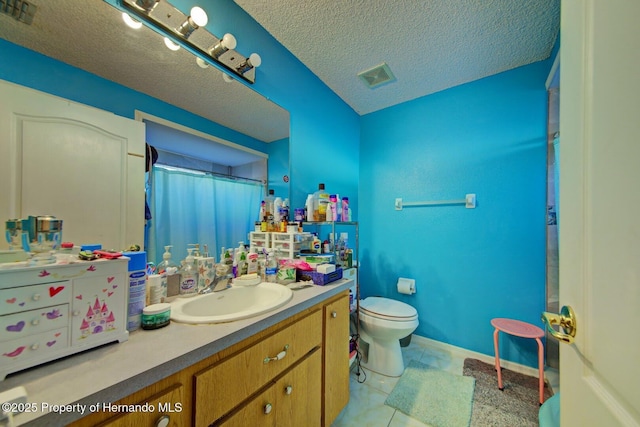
{"x":51,"y":311}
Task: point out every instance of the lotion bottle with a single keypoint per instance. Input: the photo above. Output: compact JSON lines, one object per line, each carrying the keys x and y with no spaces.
{"x":309,"y":207}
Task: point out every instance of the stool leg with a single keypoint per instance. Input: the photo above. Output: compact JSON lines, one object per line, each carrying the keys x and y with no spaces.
{"x":496,"y":345}
{"x":541,"y":369}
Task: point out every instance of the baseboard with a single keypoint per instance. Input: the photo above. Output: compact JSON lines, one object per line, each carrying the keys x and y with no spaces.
{"x":463,"y":352}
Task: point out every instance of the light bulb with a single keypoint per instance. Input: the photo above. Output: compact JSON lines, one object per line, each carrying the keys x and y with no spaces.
{"x":202,"y":63}
{"x":252,"y":61}
{"x":227,"y":78}
{"x":132,"y":23}
{"x":171,"y":44}
{"x":229,"y":41}
{"x":199,"y":16}
{"x":255,"y":59}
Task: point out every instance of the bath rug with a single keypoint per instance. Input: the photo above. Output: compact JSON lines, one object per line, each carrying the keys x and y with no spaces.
{"x":433,"y":397}
{"x":517,"y":405}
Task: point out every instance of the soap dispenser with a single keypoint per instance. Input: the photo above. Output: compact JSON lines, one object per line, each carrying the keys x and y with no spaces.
{"x":167,"y":266}
{"x":189,"y":279}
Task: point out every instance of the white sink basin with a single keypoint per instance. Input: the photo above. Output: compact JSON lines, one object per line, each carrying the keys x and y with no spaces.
{"x":234,"y":303}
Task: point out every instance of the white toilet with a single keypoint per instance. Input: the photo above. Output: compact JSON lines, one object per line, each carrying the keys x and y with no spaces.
{"x":383,"y":322}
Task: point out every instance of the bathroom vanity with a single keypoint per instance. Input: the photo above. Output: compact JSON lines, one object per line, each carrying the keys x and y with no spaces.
{"x":287,"y":367}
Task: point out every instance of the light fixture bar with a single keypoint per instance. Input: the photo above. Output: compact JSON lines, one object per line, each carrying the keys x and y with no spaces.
{"x":166,"y":20}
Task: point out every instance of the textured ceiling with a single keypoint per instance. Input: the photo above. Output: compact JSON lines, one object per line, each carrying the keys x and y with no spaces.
{"x":92,"y":36}
{"x":430,"y":45}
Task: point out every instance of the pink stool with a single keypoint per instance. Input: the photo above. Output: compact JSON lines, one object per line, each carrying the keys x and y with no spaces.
{"x":524,"y":330}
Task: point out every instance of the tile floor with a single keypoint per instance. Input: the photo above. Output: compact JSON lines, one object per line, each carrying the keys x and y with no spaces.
{"x":366,"y":403}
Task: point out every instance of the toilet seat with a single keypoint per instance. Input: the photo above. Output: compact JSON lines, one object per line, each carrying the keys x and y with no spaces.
{"x":388,"y":309}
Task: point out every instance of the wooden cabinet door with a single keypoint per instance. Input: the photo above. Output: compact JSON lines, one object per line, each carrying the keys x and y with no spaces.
{"x":298,"y":394}
{"x":335,"y":358}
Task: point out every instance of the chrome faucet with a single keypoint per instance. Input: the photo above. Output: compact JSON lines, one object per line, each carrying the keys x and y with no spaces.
{"x":220,"y":283}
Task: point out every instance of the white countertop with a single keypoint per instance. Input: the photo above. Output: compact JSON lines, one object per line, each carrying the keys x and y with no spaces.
{"x":109,"y":373}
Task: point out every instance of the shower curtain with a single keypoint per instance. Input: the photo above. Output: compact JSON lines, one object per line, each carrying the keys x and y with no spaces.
{"x":194,"y":207}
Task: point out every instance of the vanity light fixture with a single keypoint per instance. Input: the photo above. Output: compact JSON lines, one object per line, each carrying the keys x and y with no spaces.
{"x":179,"y":30}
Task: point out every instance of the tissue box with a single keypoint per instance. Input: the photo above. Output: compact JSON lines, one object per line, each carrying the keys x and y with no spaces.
{"x":320,"y":279}
{"x":326,"y":268}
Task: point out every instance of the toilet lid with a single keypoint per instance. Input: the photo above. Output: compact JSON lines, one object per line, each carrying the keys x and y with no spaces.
{"x":388,"y":308}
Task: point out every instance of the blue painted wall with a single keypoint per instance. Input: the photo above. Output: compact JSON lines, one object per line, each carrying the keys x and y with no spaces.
{"x":487,"y":137}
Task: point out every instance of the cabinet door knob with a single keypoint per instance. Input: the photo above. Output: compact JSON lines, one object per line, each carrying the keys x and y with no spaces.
{"x":288,"y":389}
{"x":163,"y":421}
{"x":35,"y":346}
{"x":35,"y":322}
{"x":267,"y":408}
{"x":35,"y":297}
{"x":76,"y":313}
{"x":334,"y":314}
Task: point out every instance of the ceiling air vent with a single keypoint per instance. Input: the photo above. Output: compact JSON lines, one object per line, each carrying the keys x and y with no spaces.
{"x":18,"y":9}
{"x":376,"y":76}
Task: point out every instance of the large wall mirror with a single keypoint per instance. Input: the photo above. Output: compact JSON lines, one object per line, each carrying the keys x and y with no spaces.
{"x":95,"y":38}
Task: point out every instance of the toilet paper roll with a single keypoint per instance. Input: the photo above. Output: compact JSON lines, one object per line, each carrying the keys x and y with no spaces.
{"x":406,"y":286}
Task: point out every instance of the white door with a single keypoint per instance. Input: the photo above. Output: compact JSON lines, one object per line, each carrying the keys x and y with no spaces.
{"x":600,"y":211}
{"x":77,"y":163}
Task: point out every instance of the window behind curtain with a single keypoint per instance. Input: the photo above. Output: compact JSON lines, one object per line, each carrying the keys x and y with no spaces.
{"x":196,"y":207}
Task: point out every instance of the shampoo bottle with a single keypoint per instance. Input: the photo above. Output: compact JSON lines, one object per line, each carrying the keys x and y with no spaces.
{"x":345,"y":209}
{"x":277,"y":211}
{"x":321,"y":200}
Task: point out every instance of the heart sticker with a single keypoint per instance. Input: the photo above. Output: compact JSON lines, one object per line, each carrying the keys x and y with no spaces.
{"x":11,"y":300}
{"x":17,"y":327}
{"x":50,"y":343}
{"x":55,"y":291}
{"x":79,"y":297}
{"x":110,"y":279}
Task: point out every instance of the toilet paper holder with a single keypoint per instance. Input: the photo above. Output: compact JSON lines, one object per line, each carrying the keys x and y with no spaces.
{"x":406,"y":286}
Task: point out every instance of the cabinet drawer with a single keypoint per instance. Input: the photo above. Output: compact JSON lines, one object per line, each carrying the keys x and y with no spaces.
{"x":31,"y":347}
{"x":18,"y":325}
{"x":24,"y":298}
{"x":223,"y":386}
